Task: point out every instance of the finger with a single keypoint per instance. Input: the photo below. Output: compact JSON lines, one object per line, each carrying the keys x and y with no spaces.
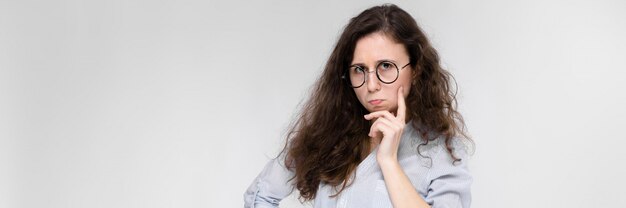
{"x":375,"y":131}
{"x":378,"y":114}
{"x":392,"y":125}
{"x":387,"y":128}
{"x":401,"y":114}
{"x":383,"y":114}
{"x":379,"y":128}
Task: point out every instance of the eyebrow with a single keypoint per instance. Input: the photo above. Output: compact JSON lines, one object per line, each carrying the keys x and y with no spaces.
{"x":377,"y":62}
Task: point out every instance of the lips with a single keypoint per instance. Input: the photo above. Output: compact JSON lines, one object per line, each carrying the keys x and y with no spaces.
{"x":375,"y":102}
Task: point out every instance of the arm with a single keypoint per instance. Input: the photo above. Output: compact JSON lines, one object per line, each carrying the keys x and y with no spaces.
{"x":387,"y":131}
{"x":270,"y":186}
{"x":448,"y":183}
{"x":400,"y":188}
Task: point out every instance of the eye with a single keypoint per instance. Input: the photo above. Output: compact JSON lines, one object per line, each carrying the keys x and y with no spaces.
{"x":356,"y":69}
{"x":385,"y":66}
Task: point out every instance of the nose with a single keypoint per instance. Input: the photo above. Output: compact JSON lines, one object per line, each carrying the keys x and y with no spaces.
{"x":372,"y":82}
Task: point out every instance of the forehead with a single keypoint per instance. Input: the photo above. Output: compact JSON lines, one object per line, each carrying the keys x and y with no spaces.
{"x":378,"y":46}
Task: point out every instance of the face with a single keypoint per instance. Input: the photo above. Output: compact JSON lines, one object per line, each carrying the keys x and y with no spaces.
{"x":371,"y":50}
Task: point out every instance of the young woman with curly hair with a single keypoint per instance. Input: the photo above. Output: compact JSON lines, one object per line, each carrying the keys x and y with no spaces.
{"x":381,"y":128}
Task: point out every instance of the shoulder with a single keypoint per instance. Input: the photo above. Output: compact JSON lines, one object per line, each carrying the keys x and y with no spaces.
{"x":456,"y":147}
{"x":438,"y":150}
{"x":449,"y":179}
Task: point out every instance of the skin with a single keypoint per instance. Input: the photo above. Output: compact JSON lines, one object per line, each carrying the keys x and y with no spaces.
{"x":369,"y":51}
{"x":389,"y":116}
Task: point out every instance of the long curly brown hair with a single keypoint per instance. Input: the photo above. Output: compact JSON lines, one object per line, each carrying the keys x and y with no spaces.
{"x":329,"y":138}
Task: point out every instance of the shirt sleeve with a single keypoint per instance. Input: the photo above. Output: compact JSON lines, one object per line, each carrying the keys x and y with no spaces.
{"x":270,"y":186}
{"x":450,"y":183}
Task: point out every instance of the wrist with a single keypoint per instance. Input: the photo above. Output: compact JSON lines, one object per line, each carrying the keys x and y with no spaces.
{"x":389,"y":161}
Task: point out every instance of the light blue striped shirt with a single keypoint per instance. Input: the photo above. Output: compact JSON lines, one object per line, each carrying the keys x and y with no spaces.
{"x":440,"y":182}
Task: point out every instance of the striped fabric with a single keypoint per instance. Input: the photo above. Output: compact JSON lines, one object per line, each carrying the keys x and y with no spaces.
{"x":440,"y":182}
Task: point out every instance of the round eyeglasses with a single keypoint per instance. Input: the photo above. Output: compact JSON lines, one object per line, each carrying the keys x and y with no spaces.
{"x":386,"y":71}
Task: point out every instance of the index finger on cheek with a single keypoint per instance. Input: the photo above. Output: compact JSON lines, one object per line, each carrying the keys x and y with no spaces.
{"x":401,"y":114}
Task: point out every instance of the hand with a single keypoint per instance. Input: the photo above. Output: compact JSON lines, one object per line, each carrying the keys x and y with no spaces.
{"x":388,"y":129}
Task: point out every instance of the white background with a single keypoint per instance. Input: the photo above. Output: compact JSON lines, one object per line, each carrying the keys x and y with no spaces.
{"x":137,"y":103}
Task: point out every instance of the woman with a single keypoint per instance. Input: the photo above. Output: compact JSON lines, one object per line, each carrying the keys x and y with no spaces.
{"x":381,"y":128}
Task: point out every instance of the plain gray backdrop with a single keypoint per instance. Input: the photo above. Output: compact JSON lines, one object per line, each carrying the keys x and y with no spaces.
{"x":137,"y":103}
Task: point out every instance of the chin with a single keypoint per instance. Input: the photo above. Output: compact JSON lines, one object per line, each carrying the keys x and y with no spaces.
{"x":377,"y":108}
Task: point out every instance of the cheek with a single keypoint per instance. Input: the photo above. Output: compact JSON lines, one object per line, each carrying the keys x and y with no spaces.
{"x":360,"y":94}
{"x":406,"y":80}
{"x":406,"y":83}
{"x":401,"y":82}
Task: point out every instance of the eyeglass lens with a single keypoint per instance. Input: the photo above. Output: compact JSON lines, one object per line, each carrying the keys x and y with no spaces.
{"x":387,"y":72}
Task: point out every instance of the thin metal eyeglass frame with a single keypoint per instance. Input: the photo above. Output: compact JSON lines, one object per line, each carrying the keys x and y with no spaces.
{"x":377,"y":74}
